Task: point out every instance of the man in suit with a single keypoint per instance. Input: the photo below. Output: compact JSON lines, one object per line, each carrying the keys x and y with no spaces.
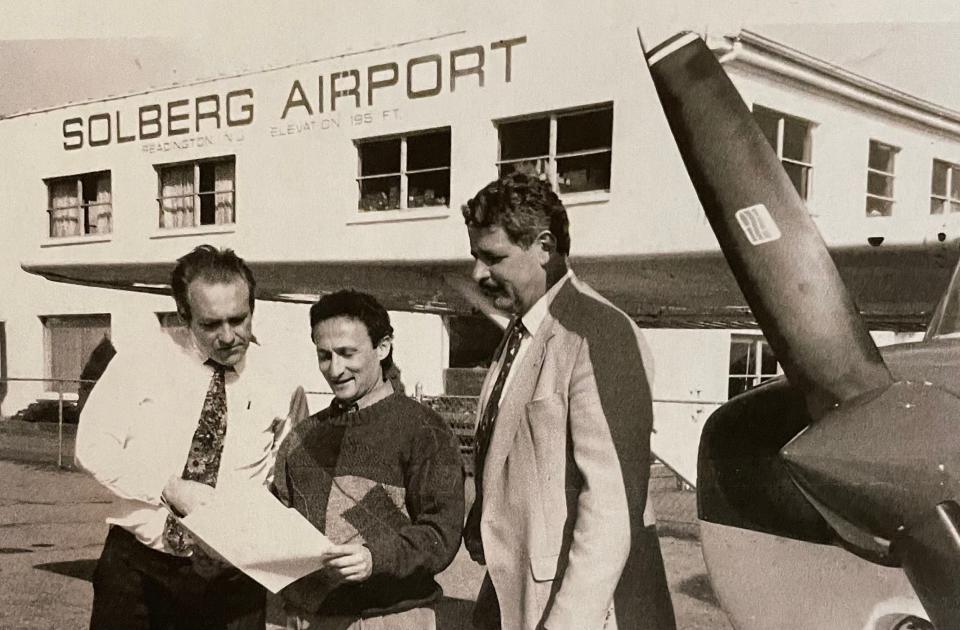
{"x":561,"y":517}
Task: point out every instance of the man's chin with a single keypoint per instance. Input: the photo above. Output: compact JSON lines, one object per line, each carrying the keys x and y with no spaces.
{"x":231,"y":358}
{"x":504,"y":303}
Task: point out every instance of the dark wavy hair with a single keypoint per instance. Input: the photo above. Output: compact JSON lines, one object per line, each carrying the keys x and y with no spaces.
{"x":524,"y":206}
{"x":212,"y":265}
{"x":359,"y":306}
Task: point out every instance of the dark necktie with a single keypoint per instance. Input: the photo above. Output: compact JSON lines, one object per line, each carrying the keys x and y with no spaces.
{"x":471,"y":534}
{"x":203,"y":462}
{"x":489,"y":417}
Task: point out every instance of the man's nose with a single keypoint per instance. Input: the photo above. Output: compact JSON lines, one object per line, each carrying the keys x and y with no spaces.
{"x":336,"y":365}
{"x":480,"y":271}
{"x":226,"y":335}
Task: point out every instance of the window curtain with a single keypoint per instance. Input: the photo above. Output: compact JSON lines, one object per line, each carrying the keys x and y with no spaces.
{"x":223,"y":187}
{"x":104,"y":217}
{"x":176,"y":197}
{"x":64,"y":208}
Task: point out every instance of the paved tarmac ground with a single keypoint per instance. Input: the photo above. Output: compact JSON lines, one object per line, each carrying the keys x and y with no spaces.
{"x":52,"y":529}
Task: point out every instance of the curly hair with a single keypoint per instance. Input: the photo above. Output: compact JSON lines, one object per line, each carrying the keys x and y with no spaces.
{"x":524,"y":206}
{"x":213,"y":265}
{"x":359,"y":306}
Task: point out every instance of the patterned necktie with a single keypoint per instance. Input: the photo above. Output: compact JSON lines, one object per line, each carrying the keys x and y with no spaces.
{"x":489,"y":417}
{"x":203,"y":462}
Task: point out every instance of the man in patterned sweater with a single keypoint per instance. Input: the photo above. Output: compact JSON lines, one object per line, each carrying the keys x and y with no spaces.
{"x":378,"y":473}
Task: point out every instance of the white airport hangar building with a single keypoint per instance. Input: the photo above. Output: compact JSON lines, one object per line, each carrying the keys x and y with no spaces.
{"x":350,"y":169}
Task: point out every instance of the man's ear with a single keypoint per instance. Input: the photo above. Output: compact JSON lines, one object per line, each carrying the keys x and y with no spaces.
{"x":384,"y":347}
{"x":547,"y":245}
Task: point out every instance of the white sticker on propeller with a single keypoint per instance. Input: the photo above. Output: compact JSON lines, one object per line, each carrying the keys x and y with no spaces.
{"x":757,"y":224}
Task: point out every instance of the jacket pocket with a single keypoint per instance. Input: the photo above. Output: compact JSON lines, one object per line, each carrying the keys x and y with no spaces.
{"x":544,"y":568}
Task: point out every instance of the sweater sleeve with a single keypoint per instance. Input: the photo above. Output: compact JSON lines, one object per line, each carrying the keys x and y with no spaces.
{"x":429,"y":540}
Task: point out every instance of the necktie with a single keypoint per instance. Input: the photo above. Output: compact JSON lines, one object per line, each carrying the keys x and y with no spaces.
{"x":203,"y":462}
{"x":489,"y":417}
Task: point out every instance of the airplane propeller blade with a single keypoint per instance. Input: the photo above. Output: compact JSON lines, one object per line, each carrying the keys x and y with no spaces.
{"x":771,"y":243}
{"x":880,"y":461}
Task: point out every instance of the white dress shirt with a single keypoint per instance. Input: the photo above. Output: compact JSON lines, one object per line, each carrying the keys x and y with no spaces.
{"x":137,"y":427}
{"x":531,"y":324}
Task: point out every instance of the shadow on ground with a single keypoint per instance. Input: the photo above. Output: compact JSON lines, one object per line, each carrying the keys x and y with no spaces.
{"x":452,"y":613}
{"x":79,"y":569}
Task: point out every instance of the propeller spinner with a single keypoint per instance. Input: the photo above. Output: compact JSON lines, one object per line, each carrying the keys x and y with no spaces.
{"x":881,"y":461}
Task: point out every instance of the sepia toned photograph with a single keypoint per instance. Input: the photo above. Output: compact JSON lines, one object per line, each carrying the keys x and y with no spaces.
{"x":479,"y":316}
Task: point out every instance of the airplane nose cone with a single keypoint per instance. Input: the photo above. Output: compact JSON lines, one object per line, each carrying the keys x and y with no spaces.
{"x":882,"y":458}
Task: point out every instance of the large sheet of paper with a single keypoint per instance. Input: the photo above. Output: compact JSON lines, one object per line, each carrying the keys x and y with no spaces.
{"x":252,"y":530}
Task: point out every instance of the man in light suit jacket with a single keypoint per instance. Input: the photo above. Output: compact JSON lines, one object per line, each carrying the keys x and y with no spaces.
{"x":561,"y":518}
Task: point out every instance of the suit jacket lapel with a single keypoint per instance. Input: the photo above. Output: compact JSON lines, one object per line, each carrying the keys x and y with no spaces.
{"x":513,"y":400}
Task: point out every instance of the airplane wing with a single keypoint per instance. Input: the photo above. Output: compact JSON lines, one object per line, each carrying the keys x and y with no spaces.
{"x":894,"y":286}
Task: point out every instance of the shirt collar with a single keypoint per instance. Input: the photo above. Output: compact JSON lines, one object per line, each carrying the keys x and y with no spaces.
{"x":202,"y":357}
{"x":375,"y":395}
{"x":538,"y":312}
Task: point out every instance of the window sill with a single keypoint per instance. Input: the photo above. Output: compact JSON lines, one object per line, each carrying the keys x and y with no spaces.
{"x":394,"y":216}
{"x":67,"y":396}
{"x":194,"y":231}
{"x":590,"y":197}
{"x":76,"y":240}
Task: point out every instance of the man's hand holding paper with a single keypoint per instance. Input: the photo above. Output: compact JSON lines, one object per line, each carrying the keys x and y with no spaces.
{"x":256,"y":533}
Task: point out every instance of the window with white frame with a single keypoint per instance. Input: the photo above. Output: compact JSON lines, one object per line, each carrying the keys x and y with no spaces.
{"x":80,"y":205}
{"x":790,"y":137}
{"x":197,"y":193}
{"x":571,"y":148}
{"x":751,"y":363}
{"x":404,"y":172}
{"x":880,"y":165}
{"x":944,"y":188}
{"x":68,"y":342}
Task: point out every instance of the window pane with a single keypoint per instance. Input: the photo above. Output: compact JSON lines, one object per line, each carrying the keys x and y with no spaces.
{"x":584,"y":172}
{"x":580,"y":132}
{"x":530,"y":167}
{"x":881,"y":157}
{"x":796,"y":139}
{"x":176,"y":191}
{"x":64,"y":207}
{"x":768,"y":122}
{"x":800,"y":176}
{"x":428,"y":150}
{"x":740,"y":357}
{"x":937,"y":206}
{"x":176,"y":180}
{"x":207,"y":200}
{"x":738,"y":385}
{"x":938,"y":180}
{"x":524,"y":138}
{"x":102,"y":212}
{"x":381,"y":193}
{"x":879,"y":207}
{"x":881,"y":185}
{"x":954,"y":206}
{"x":225,"y":192}
{"x":768,"y":362}
{"x":955,"y":182}
{"x":428,"y":189}
{"x":380,"y":158}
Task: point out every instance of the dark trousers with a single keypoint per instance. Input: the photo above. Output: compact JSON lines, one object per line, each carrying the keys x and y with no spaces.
{"x":138,"y":588}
